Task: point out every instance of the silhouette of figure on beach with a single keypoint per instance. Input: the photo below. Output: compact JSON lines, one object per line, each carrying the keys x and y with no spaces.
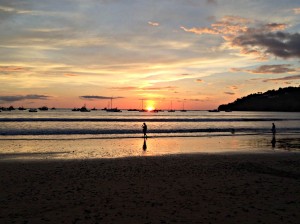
{"x":273,"y":129}
{"x":145,"y":145}
{"x":144,"y":126}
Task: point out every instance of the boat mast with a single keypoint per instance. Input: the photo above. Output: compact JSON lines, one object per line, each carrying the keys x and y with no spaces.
{"x":142,"y":104}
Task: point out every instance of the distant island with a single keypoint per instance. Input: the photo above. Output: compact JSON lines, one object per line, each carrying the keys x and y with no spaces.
{"x":283,"y":99}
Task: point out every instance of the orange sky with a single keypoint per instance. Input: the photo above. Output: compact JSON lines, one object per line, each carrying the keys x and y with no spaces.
{"x":200,"y":53}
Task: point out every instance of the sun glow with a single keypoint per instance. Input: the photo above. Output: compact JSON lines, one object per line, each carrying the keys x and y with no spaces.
{"x":150,"y":108}
{"x":150,"y":105}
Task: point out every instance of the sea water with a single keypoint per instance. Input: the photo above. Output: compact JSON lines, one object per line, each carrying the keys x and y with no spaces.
{"x":66,"y":134}
{"x":67,"y":124}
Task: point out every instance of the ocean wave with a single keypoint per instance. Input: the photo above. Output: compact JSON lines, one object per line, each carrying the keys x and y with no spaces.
{"x":11,"y":132}
{"x":144,"y":119}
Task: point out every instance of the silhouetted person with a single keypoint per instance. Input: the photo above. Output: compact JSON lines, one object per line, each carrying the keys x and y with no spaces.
{"x":273,"y":141}
{"x":273,"y":129}
{"x":144,"y":126}
{"x":145,"y":145}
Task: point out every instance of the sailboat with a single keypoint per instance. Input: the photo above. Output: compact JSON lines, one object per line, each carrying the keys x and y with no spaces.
{"x":183,"y":110}
{"x":112,"y":109}
{"x":171,"y":108}
{"x":142,"y":110}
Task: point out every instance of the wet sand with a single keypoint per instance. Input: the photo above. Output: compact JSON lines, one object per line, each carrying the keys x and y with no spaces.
{"x":193,"y":188}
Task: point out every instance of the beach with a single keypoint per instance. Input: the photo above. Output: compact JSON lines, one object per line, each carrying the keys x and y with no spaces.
{"x":180,"y":188}
{"x":194,"y":167}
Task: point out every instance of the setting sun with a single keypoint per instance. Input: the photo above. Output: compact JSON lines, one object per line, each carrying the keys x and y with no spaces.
{"x":150,"y":108}
{"x":150,"y":105}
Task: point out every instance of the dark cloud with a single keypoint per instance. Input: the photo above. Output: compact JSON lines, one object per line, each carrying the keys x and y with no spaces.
{"x":100,"y":97}
{"x":229,"y":93}
{"x":19,"y":98}
{"x":254,"y":37}
{"x":293,"y":77}
{"x":160,"y":88}
{"x":280,"y":44}
{"x":267,"y":69}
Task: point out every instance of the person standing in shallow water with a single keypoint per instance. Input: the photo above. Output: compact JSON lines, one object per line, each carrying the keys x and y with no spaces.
{"x":273,"y":129}
{"x":144,"y":126}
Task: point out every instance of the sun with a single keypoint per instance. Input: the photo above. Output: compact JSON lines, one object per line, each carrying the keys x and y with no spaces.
{"x":150,"y":108}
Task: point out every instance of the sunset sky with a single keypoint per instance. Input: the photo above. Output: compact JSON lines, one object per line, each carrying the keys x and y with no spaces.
{"x":66,"y":53}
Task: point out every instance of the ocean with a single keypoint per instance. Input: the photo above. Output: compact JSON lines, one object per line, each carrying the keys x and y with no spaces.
{"x":66,"y":134}
{"x":64,"y":123}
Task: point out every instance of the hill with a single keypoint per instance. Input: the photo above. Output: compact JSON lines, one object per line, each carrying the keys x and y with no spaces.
{"x":283,"y":99}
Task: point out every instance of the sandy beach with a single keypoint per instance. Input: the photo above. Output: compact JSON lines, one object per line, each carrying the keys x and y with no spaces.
{"x":191,"y":188}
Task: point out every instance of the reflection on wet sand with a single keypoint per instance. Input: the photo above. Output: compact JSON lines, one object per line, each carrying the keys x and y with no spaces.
{"x":273,"y":141}
{"x":145,"y":144}
{"x":127,"y":147}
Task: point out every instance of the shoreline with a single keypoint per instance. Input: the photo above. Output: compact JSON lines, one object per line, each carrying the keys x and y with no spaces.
{"x":93,"y":148}
{"x":190,"y":188}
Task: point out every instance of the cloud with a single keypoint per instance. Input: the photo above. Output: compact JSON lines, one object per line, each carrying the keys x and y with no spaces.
{"x":7,"y":9}
{"x":280,"y":44}
{"x":228,"y":25}
{"x":274,"y":26}
{"x":5,"y":69}
{"x":100,"y":97}
{"x":268,"y":69}
{"x":229,"y":93}
{"x":294,"y":77}
{"x":254,"y":37}
{"x":153,"y":23}
{"x":70,"y":75}
{"x":20,"y":97}
{"x":199,"y":80}
{"x":160,"y":88}
{"x":296,"y":11}
{"x":234,"y":87}
{"x":124,"y":88}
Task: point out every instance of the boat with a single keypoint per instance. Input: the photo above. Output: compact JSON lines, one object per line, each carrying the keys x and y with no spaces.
{"x":11,"y":108}
{"x":21,"y":108}
{"x":143,"y":110}
{"x":94,"y":108}
{"x":113,"y":110}
{"x":76,"y":109}
{"x":84,"y":109}
{"x":43,"y":108}
{"x":171,"y":110}
{"x":32,"y":110}
{"x":53,"y":108}
{"x":215,"y":110}
{"x":183,"y":110}
{"x":132,"y":110}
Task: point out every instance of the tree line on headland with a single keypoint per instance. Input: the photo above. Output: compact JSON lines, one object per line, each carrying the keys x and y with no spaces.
{"x":284,"y":99}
